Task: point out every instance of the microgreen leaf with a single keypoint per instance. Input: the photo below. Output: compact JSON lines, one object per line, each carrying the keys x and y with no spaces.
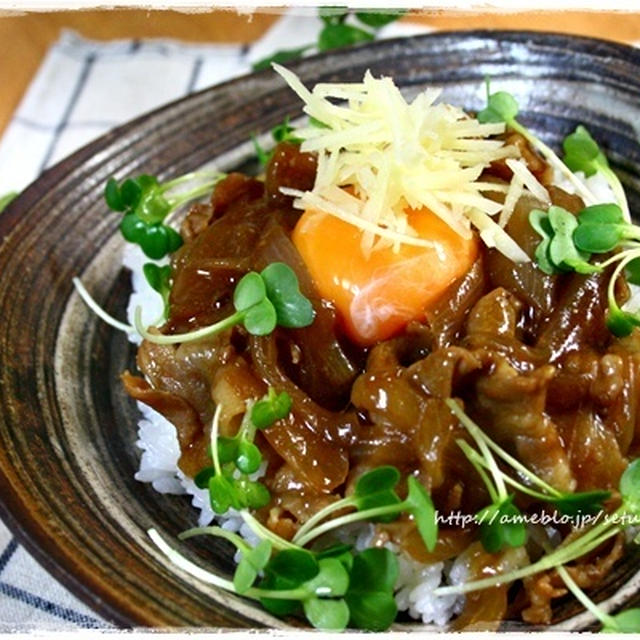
{"x":600,"y":228}
{"x":332,"y":579}
{"x":222,"y":494}
{"x":370,"y":594}
{"x":275,"y":406}
{"x":261,"y":319}
{"x":336,"y":36}
{"x":7,"y":199}
{"x":159,"y":279}
{"x":633,"y":271}
{"x":250,"y":565}
{"x":420,"y":505}
{"x":586,"y":502}
{"x":227,"y":449}
{"x":133,"y":229}
{"x":201,"y":479}
{"x":562,"y":250}
{"x":248,"y":457}
{"x":252,"y":494}
{"x":281,"y":57}
{"x":292,"y":308}
{"x":501,"y":525}
{"x":113,"y":196}
{"x":379,"y":19}
{"x":539,"y":220}
{"x":385,"y":477}
{"x":294,"y":565}
{"x":630,"y":487}
{"x":625,"y":622}
{"x":501,"y":107}
{"x":375,"y":489}
{"x":249,"y":291}
{"x":582,"y":152}
{"x":327,"y":615}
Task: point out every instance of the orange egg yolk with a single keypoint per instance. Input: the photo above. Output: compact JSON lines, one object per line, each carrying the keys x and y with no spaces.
{"x":378,"y":295}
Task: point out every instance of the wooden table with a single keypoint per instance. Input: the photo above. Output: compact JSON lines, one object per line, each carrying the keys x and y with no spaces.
{"x":24,"y":39}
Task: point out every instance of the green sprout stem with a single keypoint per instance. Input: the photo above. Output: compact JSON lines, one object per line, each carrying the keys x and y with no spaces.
{"x":266,"y":534}
{"x":197,"y":334}
{"x":349,"y":518}
{"x":218,"y":532}
{"x":98,"y":310}
{"x":582,"y":597}
{"x":562,"y":554}
{"x":321,"y":515}
{"x":211,"y":578}
{"x":478,"y":434}
{"x":479,"y":464}
{"x":215,"y":427}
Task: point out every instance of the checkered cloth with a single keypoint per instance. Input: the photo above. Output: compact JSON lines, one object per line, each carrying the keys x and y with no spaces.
{"x":82,"y":90}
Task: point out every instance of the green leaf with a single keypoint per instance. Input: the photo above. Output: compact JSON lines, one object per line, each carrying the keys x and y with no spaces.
{"x":131,"y":191}
{"x":586,"y":502}
{"x":340,"y":551}
{"x":261,"y":319}
{"x":539,"y":220}
{"x":292,"y":308}
{"x":501,"y":107}
{"x":630,"y":487}
{"x":625,"y":622}
{"x":421,"y":507}
{"x":385,"y":477}
{"x":372,"y":611}
{"x":227,"y":449}
{"x":155,"y":242}
{"x":379,"y":19}
{"x":133,"y":229}
{"x":159,"y":278}
{"x":153,"y":207}
{"x":270,"y":409}
{"x":112,"y":195}
{"x":249,"y":291}
{"x":621,"y":323}
{"x":331,"y":581}
{"x":374,"y":569}
{"x":327,"y":615}
{"x":280,"y":57}
{"x":597,"y":238}
{"x":602,"y":214}
{"x":296,"y":566}
{"x":370,"y":595}
{"x":253,"y":495}
{"x":633,"y":271}
{"x":222,"y":494}
{"x":562,"y":250}
{"x":201,"y":479}
{"x":250,"y":565}
{"x":600,"y":228}
{"x":278,"y":606}
{"x":174,"y":239}
{"x":283,"y":132}
{"x":502,"y":525}
{"x":336,"y":36}
{"x":248,"y":457}
{"x":582,"y":152}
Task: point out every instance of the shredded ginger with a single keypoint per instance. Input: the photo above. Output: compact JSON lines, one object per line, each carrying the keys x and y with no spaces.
{"x":379,"y":155}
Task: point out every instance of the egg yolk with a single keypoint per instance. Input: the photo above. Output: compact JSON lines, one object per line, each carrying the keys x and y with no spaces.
{"x":377,"y":295}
